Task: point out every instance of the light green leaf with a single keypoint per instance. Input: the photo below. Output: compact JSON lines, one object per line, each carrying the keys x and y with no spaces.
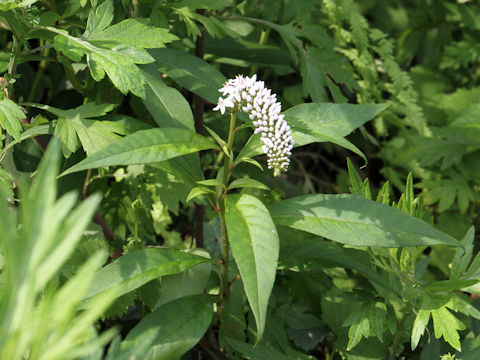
{"x":211,"y":182}
{"x":258,"y":352}
{"x":134,"y":269}
{"x":249,"y":183}
{"x":198,"y":191}
{"x":144,"y":147}
{"x":134,"y":33}
{"x":10,"y":115}
{"x":119,"y":64}
{"x":166,"y":105}
{"x":449,"y":285}
{"x":191,"y":72}
{"x":255,"y":246}
{"x":447,"y":325}
{"x":352,"y":220}
{"x":180,"y":324}
{"x":99,"y":17}
{"x":419,"y":326}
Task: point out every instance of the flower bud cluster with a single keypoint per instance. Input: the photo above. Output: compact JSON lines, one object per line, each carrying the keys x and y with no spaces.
{"x":252,"y":97}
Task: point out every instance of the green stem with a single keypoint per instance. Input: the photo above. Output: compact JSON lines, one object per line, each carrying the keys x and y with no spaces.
{"x":225,"y":290}
{"x":262,"y":41}
{"x":396,"y":341}
{"x":38,"y":77}
{"x":12,"y":66}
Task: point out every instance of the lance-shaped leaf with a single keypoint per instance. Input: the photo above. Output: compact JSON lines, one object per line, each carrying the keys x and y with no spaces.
{"x":180,"y":324}
{"x":352,"y":220}
{"x":255,"y":246}
{"x":191,"y":72}
{"x":134,"y":269}
{"x":144,"y":147}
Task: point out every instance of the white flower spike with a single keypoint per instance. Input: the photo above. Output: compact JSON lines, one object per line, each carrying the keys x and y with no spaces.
{"x":252,"y":97}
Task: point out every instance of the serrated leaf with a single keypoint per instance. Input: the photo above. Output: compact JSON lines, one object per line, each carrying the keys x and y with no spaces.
{"x":384,"y":194}
{"x":255,"y":246}
{"x":447,"y":325}
{"x":352,"y":220}
{"x":180,"y":324}
{"x":144,"y":147}
{"x":419,"y":326}
{"x":379,"y":315}
{"x":10,"y":115}
{"x":134,"y":33}
{"x":132,"y":270}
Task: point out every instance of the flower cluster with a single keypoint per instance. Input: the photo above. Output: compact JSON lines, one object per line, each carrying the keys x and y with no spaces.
{"x":252,"y":97}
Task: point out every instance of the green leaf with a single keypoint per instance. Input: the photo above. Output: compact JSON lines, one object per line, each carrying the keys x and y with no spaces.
{"x":463,"y":255}
{"x":449,"y":285}
{"x":119,"y":64}
{"x":211,"y":182}
{"x":219,"y":140}
{"x":198,"y":191}
{"x":190,"y":72}
{"x":328,"y":118}
{"x":134,"y":33}
{"x":254,"y":243}
{"x":447,"y":325}
{"x":134,"y":269}
{"x":352,"y":220}
{"x":419,"y":326}
{"x":99,"y":18}
{"x":10,"y":115}
{"x":180,"y":324}
{"x":356,"y":184}
{"x":166,"y":105}
{"x":144,"y":147}
{"x":258,"y":352}
{"x":247,"y":183}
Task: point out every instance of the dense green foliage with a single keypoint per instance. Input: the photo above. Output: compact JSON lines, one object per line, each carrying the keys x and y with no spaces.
{"x":138,"y":223}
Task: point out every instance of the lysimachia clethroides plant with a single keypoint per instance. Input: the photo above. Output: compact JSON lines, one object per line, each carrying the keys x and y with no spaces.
{"x":271,"y":275}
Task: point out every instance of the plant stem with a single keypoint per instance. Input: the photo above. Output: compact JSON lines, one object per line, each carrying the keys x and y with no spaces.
{"x":12,"y":66}
{"x":396,"y":341}
{"x":225,"y":290}
{"x":38,"y":77}
{"x":262,"y":41}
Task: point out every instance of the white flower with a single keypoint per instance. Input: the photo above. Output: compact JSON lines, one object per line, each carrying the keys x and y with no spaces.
{"x":223,"y":103}
{"x":251,"y":96}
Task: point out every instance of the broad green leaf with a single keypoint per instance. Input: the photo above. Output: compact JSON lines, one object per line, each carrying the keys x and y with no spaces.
{"x":190,"y":282}
{"x":134,"y":269}
{"x":144,"y":147}
{"x":332,"y":119}
{"x":255,"y":246}
{"x":10,"y":115}
{"x":249,"y":183}
{"x":135,"y":349}
{"x":134,"y":33}
{"x":180,"y":324}
{"x":419,"y":326}
{"x":191,"y":72}
{"x":211,"y":182}
{"x":352,"y":220}
{"x":166,"y":105}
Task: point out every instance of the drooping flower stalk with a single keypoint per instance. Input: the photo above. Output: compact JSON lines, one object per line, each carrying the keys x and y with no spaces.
{"x":251,"y":96}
